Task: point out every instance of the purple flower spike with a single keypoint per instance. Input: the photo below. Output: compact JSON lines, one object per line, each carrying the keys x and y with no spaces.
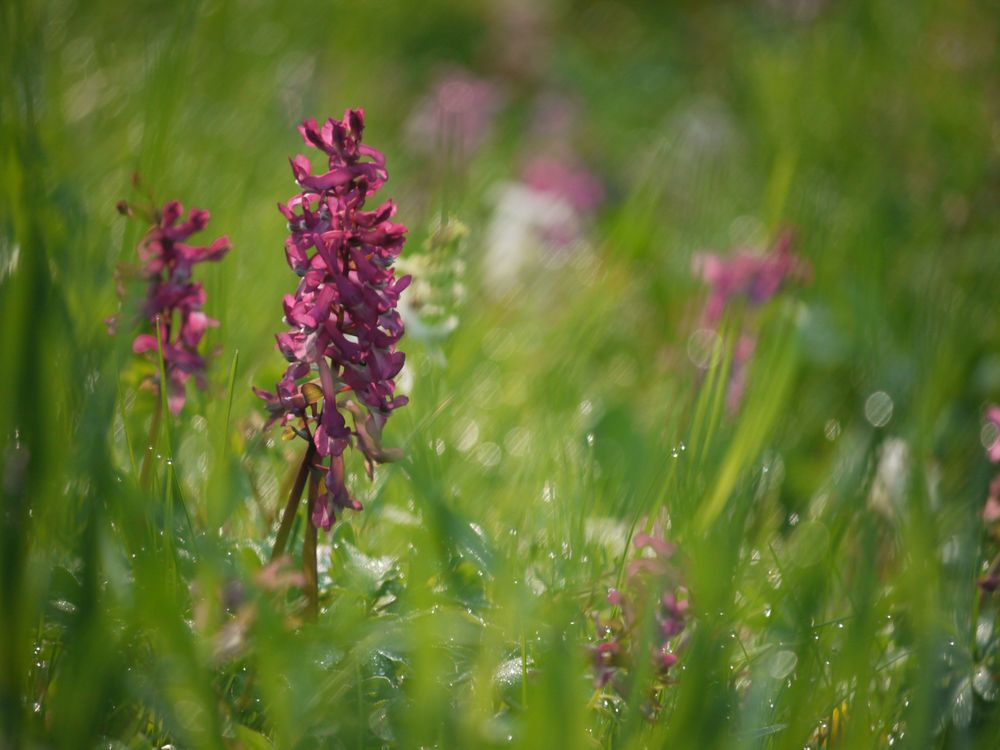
{"x":173,"y":301}
{"x":652,"y":591}
{"x":343,"y":323}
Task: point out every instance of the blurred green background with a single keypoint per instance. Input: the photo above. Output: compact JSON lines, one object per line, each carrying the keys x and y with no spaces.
{"x":829,"y":528}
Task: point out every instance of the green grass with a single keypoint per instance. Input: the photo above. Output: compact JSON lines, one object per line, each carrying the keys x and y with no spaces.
{"x":830,"y":562}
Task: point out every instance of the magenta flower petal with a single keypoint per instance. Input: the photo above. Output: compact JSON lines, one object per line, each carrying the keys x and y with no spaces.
{"x":991,"y":510}
{"x":144,"y":343}
{"x":172,"y":211}
{"x":322,"y":514}
{"x":194,"y":326}
{"x":175,"y":394}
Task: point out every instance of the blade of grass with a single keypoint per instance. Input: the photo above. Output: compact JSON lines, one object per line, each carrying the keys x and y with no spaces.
{"x":128,"y":439}
{"x":309,"y":564}
{"x":229,"y":403}
{"x":752,"y":431}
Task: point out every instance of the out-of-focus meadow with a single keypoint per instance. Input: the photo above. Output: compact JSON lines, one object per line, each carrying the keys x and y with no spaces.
{"x":560,"y":166}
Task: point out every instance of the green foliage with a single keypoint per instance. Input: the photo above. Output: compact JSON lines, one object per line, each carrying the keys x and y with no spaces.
{"x":830,"y":543}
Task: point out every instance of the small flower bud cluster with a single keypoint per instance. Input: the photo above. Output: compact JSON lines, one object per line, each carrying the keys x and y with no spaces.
{"x":432,"y":302}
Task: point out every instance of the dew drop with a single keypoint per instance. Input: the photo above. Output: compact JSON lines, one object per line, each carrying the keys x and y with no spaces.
{"x":878,"y":409}
{"x":831,"y":429}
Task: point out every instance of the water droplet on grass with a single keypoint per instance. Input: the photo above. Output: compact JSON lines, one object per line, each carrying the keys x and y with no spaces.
{"x":878,"y":409}
{"x":984,"y":683}
{"x":467,"y":436}
{"x":488,"y":454}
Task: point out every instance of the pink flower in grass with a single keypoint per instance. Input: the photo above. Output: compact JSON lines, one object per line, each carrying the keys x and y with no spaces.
{"x":566,"y":195}
{"x":753,"y":279}
{"x":651,"y":580}
{"x":456,"y":115}
{"x":989,"y":582}
{"x":566,"y":179}
{"x":343,"y":322}
{"x":750,"y":276}
{"x":173,"y":301}
{"x":991,"y":509}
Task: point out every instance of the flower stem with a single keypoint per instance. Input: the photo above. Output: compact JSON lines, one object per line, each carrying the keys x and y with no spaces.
{"x":154,"y":432}
{"x":293,"y":503}
{"x":309,"y":567}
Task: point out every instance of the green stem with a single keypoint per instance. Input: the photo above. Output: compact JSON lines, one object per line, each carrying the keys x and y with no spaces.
{"x":154,"y":432}
{"x":293,"y":503}
{"x":309,"y":567}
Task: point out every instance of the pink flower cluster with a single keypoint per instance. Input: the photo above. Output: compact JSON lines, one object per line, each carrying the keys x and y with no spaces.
{"x":754,"y":279}
{"x":990,"y":581}
{"x":457,"y":114}
{"x":748,"y":275}
{"x":343,"y":321}
{"x":650,"y":579}
{"x":173,"y":302}
{"x":564,"y":178}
